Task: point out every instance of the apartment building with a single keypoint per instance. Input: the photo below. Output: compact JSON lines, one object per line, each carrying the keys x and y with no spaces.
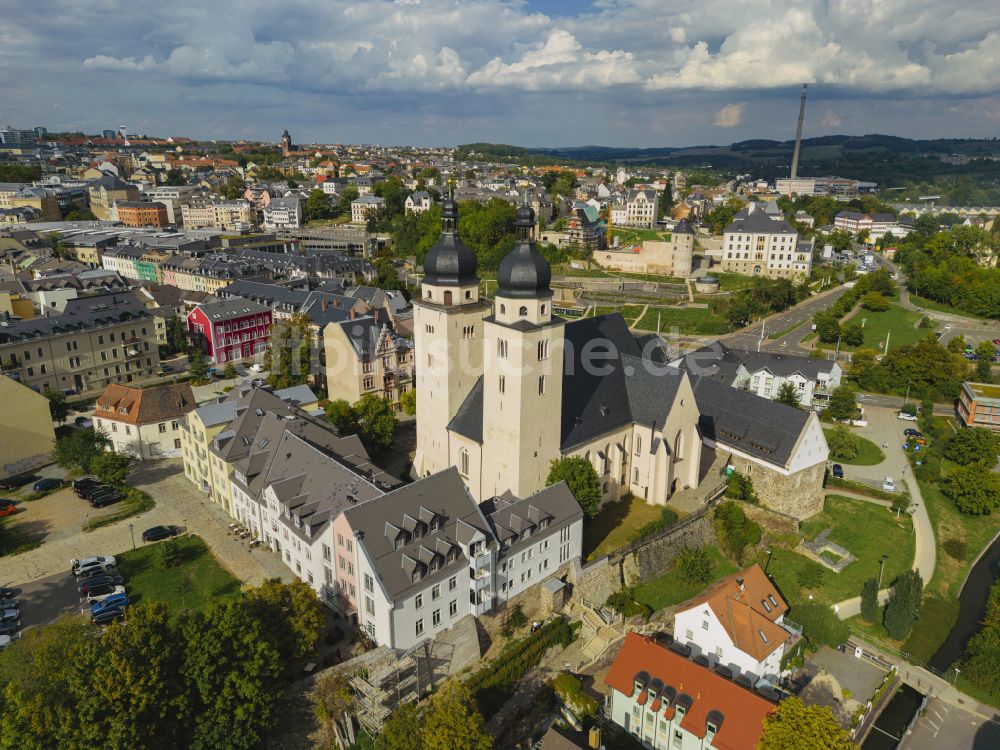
{"x":44,"y":200}
{"x":209,"y":273}
{"x":140,"y":214}
{"x":26,"y":431}
{"x":875,"y":224}
{"x":756,"y":245}
{"x":96,"y":341}
{"x":365,"y":355}
{"x":668,"y":702}
{"x":231,"y":329}
{"x":107,"y":190}
{"x":233,"y":215}
{"x":172,"y":197}
{"x":283,"y":213}
{"x":144,"y":423}
{"x":979,"y":405}
{"x":364,"y":207}
{"x":640,"y":208}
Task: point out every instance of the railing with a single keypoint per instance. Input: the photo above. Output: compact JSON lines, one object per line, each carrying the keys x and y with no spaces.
{"x":792,"y":627}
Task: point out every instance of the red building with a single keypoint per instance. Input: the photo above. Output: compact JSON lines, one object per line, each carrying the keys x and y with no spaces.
{"x":231,"y":329}
{"x":138,"y":214}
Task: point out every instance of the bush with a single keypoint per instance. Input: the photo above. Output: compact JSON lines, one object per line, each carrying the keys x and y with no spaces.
{"x":956,"y":549}
{"x":514,"y":620}
{"x":693,"y":566}
{"x":741,"y":488}
{"x":972,"y":444}
{"x":810,"y":575}
{"x":869,"y":600}
{"x":623,"y":601}
{"x":570,"y":691}
{"x":734,"y":530}
{"x":843,"y":444}
{"x":168,"y":556}
{"x":668,"y":517}
{"x":903,"y":607}
{"x":820,"y":625}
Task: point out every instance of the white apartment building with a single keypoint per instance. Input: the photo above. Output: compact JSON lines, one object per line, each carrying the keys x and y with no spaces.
{"x":283,"y":213}
{"x":877,"y":225}
{"x":232,"y":215}
{"x":365,"y":206}
{"x":640,"y":208}
{"x":757,"y":245}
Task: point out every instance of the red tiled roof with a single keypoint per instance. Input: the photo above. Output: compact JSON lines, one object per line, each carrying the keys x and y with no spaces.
{"x":742,"y":711}
{"x":139,"y":406}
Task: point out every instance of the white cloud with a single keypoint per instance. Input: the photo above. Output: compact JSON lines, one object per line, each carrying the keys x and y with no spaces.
{"x":104,"y":62}
{"x":729,"y":116}
{"x":830,"y":119}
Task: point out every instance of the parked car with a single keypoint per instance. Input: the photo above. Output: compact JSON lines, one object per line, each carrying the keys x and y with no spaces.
{"x":78,"y":565}
{"x":101,"y":593}
{"x":996,"y":342}
{"x":256,"y":367}
{"x":7,"y":510}
{"x":837,"y":471}
{"x":97,"y":571}
{"x":156,"y":533}
{"x":49,"y":483}
{"x":103,"y":499}
{"x":6,"y":593}
{"x":83,"y":422}
{"x":115,"y":601}
{"x":83,"y":484}
{"x":6,"y":615}
{"x":9,"y":627}
{"x":92,"y":490}
{"x":13,"y":483}
{"x":888,"y":485}
{"x":906,"y":416}
{"x":948,"y":327}
{"x":108,"y":616}
{"x":910,"y":432}
{"x":5,"y":641}
{"x":98,"y":581}
{"x":10,"y":603}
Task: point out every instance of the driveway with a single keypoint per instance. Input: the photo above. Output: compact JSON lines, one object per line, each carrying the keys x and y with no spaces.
{"x":944,"y":725}
{"x":48,"y":598}
{"x":884,"y":427}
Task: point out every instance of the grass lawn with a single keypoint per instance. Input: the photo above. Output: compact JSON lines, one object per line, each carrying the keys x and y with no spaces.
{"x":669,"y":589}
{"x":191,"y":584}
{"x":137,"y":502}
{"x":629,"y":312}
{"x":615,"y":525}
{"x":639,"y":235}
{"x":869,"y":454}
{"x":896,"y":320}
{"x":866,"y":530}
{"x":685,"y":319}
{"x":929,"y":304}
{"x":731,"y":282}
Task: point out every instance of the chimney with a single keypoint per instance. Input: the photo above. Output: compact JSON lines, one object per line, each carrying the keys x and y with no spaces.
{"x":739,"y":582}
{"x":353,"y":313}
{"x":322,"y":305}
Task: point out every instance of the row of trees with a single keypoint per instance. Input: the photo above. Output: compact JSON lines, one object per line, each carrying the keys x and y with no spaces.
{"x":87,"y":451}
{"x":902,"y":609}
{"x":371,"y":418}
{"x":211,"y":679}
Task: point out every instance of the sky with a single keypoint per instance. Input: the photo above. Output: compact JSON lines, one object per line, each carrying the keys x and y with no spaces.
{"x":528,"y":72}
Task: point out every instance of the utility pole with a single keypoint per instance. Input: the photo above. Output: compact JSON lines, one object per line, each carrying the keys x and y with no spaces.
{"x":798,"y":132}
{"x":881,"y":567}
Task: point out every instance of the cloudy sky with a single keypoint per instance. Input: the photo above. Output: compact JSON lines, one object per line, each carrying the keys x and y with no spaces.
{"x":530,"y":72}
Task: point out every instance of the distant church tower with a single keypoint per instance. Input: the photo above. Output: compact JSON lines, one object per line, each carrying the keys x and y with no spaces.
{"x":286,"y":143}
{"x":448,"y":340}
{"x":522,"y":387}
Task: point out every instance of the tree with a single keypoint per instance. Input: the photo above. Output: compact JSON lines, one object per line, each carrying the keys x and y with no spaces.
{"x":903,"y":606}
{"x":233,"y":188}
{"x":388,"y":277}
{"x":408,"y":401}
{"x":735,"y":530}
{"x":233,"y":671}
{"x":376,"y":422}
{"x":57,"y":245}
{"x":347,"y":196}
{"x":401,"y":731}
{"x":981,"y":662}
{"x":795,"y":726}
{"x":175,"y":178}
{"x":788,"y":394}
{"x":741,"y":488}
{"x":869,"y":600}
{"x":333,"y":700}
{"x":693,"y":566}
{"x":975,"y":489}
{"x":229,"y":371}
{"x":289,"y":357}
{"x":874,"y":301}
{"x":318,"y":206}
{"x":110,"y":468}
{"x":956,"y":345}
{"x":842,"y":404}
{"x":985,"y":353}
{"x":842,"y":443}
{"x":827,"y":327}
{"x":581,"y":478}
{"x":452,"y":721}
{"x":58,"y":407}
{"x":971,"y":445}
{"x":177,"y":335}
{"x":340,"y":414}
{"x":853,"y":334}
{"x":78,"y":449}
{"x":820,"y":625}
{"x":292,"y":615}
{"x":197,"y":367}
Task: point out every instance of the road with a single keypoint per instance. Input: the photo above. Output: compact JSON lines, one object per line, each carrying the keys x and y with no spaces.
{"x":791,"y":342}
{"x":884,"y":428}
{"x":945,"y":725}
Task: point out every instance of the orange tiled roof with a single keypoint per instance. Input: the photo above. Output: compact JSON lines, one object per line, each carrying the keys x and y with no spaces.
{"x":747,"y":604}
{"x":742,"y":712}
{"x":123,"y":403}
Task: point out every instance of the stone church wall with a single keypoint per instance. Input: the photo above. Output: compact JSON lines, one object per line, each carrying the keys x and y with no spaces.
{"x":799,"y":495}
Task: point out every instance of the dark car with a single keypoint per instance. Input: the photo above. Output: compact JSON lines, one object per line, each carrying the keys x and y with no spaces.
{"x":98,"y":582}
{"x":84,"y":484}
{"x":13,"y":483}
{"x":156,"y":533}
{"x":838,"y":471}
{"x":83,"y":422}
{"x":10,"y":627}
{"x":10,"y":603}
{"x":92,"y":490}
{"x":108,"y":616}
{"x":6,"y":593}
{"x":49,"y":483}
{"x":98,"y":571}
{"x":103,"y":499}
{"x":910,"y":432}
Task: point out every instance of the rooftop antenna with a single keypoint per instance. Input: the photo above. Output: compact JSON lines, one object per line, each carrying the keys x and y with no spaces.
{"x":798,"y":132}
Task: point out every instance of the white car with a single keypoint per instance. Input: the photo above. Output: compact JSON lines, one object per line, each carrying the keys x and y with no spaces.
{"x":888,"y":485}
{"x":103,"y":592}
{"x":256,"y":367}
{"x":6,"y":640}
{"x":906,"y":416}
{"x":84,"y":564}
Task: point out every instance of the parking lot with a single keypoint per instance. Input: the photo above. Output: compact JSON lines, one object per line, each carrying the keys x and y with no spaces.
{"x":55,"y":517}
{"x":46,"y":599}
{"x":946,"y":726}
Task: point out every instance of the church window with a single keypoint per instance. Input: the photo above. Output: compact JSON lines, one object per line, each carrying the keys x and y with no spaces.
{"x":502,"y":348}
{"x":541,"y":385}
{"x":543,"y":309}
{"x":678,"y":446}
{"x":523,"y":311}
{"x":503,"y":309}
{"x":463,"y":462}
{"x":638,"y":444}
{"x":503,"y":384}
{"x":543,"y":350}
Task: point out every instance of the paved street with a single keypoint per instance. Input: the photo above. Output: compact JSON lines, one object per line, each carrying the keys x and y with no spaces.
{"x":884,"y":427}
{"x":802,"y":313}
{"x":948,"y":726}
{"x":48,"y":598}
{"x":177,"y":502}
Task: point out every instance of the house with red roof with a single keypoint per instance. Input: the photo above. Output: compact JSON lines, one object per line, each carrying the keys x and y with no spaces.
{"x":739,"y":623}
{"x":669,"y":702}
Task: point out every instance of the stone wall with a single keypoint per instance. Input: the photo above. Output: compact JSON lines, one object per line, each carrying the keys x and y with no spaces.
{"x":771,"y":521}
{"x":798,"y":495}
{"x":596,"y":581}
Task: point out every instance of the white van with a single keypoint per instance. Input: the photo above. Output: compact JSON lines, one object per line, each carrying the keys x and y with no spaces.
{"x":888,"y":485}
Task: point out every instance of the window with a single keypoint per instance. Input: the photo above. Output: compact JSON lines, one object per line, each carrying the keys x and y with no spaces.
{"x":436,"y":617}
{"x":162,"y":427}
{"x":369,"y":605}
{"x":418,"y":601}
{"x":541,"y":385}
{"x":502,"y":348}
{"x":523,"y":311}
{"x":543,"y":350}
{"x":452,"y":583}
{"x":453,"y":608}
{"x":436,"y":593}
{"x":177,"y":442}
{"x":704,"y":624}
{"x":463,"y":462}
{"x":420,"y":627}
{"x":502,"y":384}
{"x":326,"y":552}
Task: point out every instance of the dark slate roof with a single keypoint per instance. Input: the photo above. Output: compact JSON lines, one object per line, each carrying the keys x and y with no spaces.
{"x":365,"y":334}
{"x":683,"y":227}
{"x":79,"y":314}
{"x":230,"y":308}
{"x":468,"y":420}
{"x":515,"y":522}
{"x":720,"y":362}
{"x":744,"y":421}
{"x":758,"y":222}
{"x":716,"y":361}
{"x":450,"y":261}
{"x":442,"y":497}
{"x":524,"y":273}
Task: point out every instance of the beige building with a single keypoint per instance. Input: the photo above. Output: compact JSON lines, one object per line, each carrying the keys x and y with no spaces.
{"x":674,"y":257}
{"x":755,"y":244}
{"x":42,"y":200}
{"x":96,"y":341}
{"x":365,"y":355}
{"x":144,"y":423}
{"x":231,"y":215}
{"x":108,"y":190}
{"x":26,"y":432}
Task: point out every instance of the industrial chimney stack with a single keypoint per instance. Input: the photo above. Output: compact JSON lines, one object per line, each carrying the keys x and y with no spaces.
{"x":798,"y":133}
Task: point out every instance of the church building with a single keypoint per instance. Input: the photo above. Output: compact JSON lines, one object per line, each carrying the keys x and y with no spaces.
{"x":504,"y":387}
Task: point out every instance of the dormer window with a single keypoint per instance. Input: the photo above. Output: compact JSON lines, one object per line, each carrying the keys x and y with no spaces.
{"x":401,"y":539}
{"x":761,"y":634}
{"x":435,"y":524}
{"x":543,"y":523}
{"x":419,"y":530}
{"x":767,"y":607}
{"x":435,"y":564}
{"x":774,"y":602}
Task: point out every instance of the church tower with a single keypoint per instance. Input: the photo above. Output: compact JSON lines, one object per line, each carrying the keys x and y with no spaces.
{"x":286,"y":143}
{"x":522,"y":387}
{"x":448,"y":340}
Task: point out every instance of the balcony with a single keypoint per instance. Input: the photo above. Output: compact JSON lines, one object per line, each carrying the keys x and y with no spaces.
{"x":792,"y":627}
{"x":480,"y":581}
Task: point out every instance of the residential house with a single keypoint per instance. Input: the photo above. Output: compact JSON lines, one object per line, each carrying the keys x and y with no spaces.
{"x":26,"y":431}
{"x":107,"y":190}
{"x":419,"y":202}
{"x":232,"y":215}
{"x":283,"y":213}
{"x":754,"y":244}
{"x":144,"y":422}
{"x":365,"y":355}
{"x":232,"y":329}
{"x":364,"y":207}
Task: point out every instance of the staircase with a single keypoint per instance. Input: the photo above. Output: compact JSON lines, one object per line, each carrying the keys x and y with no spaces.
{"x":597,"y":633}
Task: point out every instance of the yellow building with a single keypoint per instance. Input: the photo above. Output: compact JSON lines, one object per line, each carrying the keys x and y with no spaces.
{"x":26,"y":433}
{"x":16,"y":305}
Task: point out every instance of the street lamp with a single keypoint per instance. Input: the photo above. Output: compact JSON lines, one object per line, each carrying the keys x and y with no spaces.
{"x":131,"y":530}
{"x":769,"y":553}
{"x":881,"y":568}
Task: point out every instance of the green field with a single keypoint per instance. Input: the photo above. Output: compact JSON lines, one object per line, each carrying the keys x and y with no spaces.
{"x":615,"y":525}
{"x":867,"y":531}
{"x":897,"y":322}
{"x":668,"y":589}
{"x":869,"y":454}
{"x":192,"y":583}
{"x":731,"y":282}
{"x":687,"y":320}
{"x":639,"y":235}
{"x":629,"y":312}
{"x":932,"y":305}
